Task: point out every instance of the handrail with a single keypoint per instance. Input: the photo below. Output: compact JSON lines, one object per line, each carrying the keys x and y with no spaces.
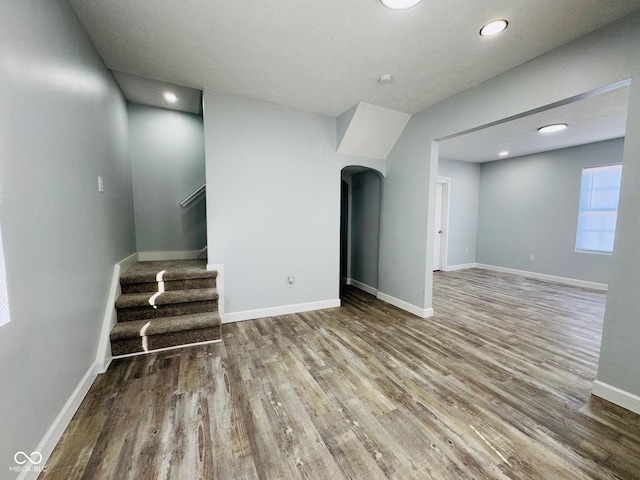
{"x":191,"y":198}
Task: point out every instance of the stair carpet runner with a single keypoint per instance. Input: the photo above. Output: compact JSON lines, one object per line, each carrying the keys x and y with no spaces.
{"x":165,"y":304}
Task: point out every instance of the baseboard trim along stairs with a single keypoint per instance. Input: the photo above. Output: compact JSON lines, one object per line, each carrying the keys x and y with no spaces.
{"x":163,"y":305}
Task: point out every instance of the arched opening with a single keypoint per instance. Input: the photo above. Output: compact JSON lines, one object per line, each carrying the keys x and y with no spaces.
{"x":361,"y":202}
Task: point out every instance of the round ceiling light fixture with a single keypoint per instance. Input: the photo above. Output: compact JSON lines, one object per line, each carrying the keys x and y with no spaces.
{"x":170,"y":97}
{"x":555,"y":127}
{"x":385,"y":79}
{"x":503,"y":153}
{"x":400,"y":4}
{"x":494,"y":28}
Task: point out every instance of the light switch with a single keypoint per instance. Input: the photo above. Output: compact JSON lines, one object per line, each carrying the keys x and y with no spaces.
{"x":100,"y":184}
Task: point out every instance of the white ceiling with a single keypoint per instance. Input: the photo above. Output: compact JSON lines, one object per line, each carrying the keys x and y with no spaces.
{"x":592,"y":119}
{"x":325,"y":56}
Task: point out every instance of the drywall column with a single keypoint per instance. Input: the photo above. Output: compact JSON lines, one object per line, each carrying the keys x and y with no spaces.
{"x":273,"y":205}
{"x":618,"y":374}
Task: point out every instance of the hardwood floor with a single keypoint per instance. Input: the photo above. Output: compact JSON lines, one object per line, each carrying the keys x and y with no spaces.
{"x":495,"y":386}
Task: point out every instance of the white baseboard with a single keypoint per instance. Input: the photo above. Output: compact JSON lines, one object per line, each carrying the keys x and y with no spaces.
{"x":172,"y":255}
{"x":464,"y":266}
{"x":362,"y":286}
{"x":57,"y":428}
{"x":281,"y":310}
{"x":615,"y":395}
{"x":547,"y":278}
{"x":103,"y":355}
{"x":420,"y":312}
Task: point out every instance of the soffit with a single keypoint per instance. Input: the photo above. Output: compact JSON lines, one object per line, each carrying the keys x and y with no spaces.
{"x":592,"y":119}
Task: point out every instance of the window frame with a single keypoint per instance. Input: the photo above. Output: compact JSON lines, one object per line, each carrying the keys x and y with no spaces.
{"x":579,"y":240}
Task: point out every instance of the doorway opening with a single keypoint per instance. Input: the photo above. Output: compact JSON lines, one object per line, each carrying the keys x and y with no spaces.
{"x":361,"y":203}
{"x":441,"y":224}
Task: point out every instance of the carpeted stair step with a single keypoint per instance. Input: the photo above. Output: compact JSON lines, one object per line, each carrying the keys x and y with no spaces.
{"x":165,"y":304}
{"x":174,"y":275}
{"x":147,"y":335}
{"x":143,"y":306}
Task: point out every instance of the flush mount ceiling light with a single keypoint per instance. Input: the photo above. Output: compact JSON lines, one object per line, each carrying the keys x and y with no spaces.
{"x":556,"y":127}
{"x":400,"y":4}
{"x":503,"y":153}
{"x":385,"y":79}
{"x":494,"y":28}
{"x":170,"y":97}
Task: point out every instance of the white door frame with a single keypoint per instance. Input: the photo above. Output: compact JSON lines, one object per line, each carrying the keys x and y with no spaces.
{"x":444,"y":238}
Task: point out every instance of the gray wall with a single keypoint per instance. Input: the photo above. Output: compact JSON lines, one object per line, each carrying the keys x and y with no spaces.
{"x":607,"y":56}
{"x":63,"y":123}
{"x":273,"y":202}
{"x":529,"y":206}
{"x":463,"y":209}
{"x":365,"y":227}
{"x":167,"y":161}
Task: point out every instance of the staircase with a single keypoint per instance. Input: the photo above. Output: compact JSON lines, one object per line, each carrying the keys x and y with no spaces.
{"x":165,"y":304}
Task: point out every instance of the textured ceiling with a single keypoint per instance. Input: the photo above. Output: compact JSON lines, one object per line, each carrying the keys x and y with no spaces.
{"x":326,"y":55}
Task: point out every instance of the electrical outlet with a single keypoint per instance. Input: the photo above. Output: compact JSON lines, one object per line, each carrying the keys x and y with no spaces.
{"x":466,"y":249}
{"x":531,"y":258}
{"x":290,"y":281}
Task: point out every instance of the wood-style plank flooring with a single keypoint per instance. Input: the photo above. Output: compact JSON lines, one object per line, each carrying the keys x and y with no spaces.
{"x":495,"y":386}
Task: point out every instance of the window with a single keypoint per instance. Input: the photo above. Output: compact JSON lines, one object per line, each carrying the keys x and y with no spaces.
{"x":599,"y":194}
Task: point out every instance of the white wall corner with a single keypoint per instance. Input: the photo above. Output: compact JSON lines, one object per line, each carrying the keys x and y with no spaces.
{"x":103,"y":354}
{"x":396,"y":302}
{"x":59,"y":425}
{"x":280,"y":310}
{"x":616,"y":395}
{"x":372,"y":131}
{"x":342,"y":122}
{"x":219,"y":267}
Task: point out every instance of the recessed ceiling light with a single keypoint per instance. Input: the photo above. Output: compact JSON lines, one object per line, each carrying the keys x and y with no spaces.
{"x":556,"y":127}
{"x":170,"y":97}
{"x":400,"y":4}
{"x":494,"y":28}
{"x":503,"y":153}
